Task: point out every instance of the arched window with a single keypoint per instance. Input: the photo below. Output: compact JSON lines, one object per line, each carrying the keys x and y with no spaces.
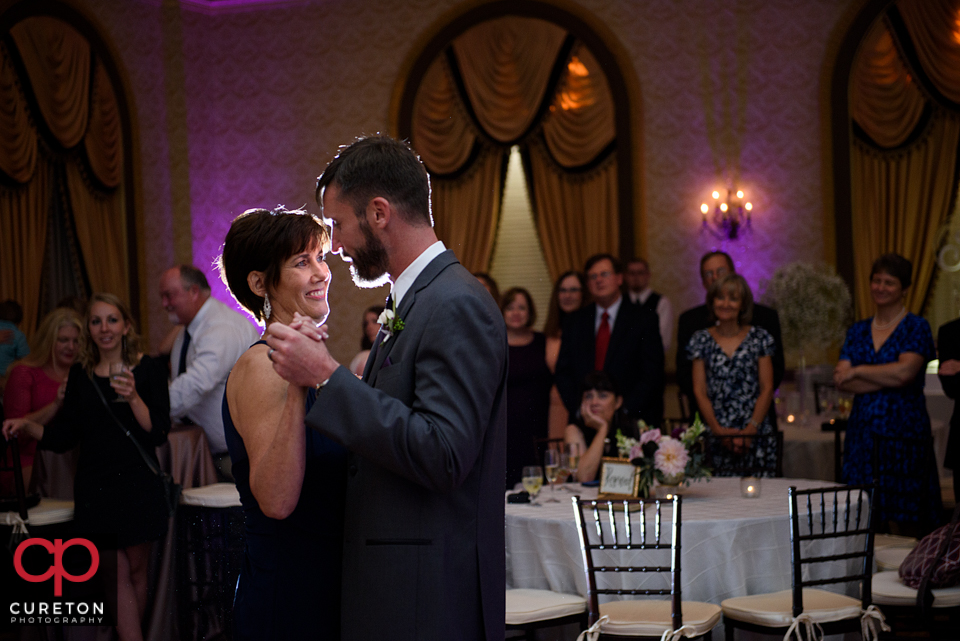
{"x":66,"y":215}
{"x":538,"y":79}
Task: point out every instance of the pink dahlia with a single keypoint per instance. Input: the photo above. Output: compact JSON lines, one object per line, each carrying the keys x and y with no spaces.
{"x":650,"y":435}
{"x":671,"y":457}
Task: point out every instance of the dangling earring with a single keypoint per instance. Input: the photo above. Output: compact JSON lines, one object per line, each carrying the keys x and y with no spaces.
{"x":266,"y":307}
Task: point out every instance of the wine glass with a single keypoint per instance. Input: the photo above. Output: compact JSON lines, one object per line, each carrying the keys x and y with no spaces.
{"x":532,"y":481}
{"x":117,"y":370}
{"x":553,"y":466}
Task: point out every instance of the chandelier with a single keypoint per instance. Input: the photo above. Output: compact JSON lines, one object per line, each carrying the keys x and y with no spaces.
{"x":729,"y":215}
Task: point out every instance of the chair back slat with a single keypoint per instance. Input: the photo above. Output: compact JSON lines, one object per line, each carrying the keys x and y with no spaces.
{"x":11,"y":449}
{"x":735,"y":455}
{"x":856,"y":521}
{"x":616,"y":538}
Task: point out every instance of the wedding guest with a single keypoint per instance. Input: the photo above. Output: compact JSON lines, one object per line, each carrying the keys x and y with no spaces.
{"x":115,"y":491}
{"x":596,"y":424}
{"x":212,"y":339}
{"x":620,"y":339}
{"x":291,"y":479}
{"x":636,"y":278}
{"x":489,"y":284}
{"x":370,"y":327}
{"x":714,"y":265}
{"x":882,"y":362}
{"x":35,"y":390}
{"x":948,"y":349}
{"x":733,"y":379}
{"x":13,"y":343}
{"x":528,"y":383}
{"x":567,"y":297}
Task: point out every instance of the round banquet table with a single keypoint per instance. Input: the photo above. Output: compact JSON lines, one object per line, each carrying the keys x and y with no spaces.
{"x":731,"y":546}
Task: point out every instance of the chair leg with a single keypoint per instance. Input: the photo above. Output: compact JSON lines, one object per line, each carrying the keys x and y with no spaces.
{"x":728,"y":630}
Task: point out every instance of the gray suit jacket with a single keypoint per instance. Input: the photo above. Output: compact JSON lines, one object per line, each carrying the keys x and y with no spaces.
{"x":424,"y":538}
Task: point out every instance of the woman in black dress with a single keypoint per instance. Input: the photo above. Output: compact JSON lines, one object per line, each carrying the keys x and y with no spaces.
{"x":528,"y":383}
{"x":115,"y":492}
{"x":594,"y":428}
{"x":291,"y":479}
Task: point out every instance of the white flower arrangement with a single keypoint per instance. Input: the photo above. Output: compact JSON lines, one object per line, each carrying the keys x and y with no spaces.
{"x":813,"y":303}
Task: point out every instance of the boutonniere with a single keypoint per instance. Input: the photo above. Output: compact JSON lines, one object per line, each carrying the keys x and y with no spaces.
{"x":390,"y":322}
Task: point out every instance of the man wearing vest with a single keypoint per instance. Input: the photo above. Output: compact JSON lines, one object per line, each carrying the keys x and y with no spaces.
{"x":636,"y":277}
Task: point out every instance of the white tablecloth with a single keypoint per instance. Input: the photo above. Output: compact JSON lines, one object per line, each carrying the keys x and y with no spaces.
{"x":731,"y":546}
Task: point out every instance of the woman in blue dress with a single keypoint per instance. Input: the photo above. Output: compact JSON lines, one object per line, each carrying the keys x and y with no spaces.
{"x":733,"y":381}
{"x":883,"y":361}
{"x":291,"y":479}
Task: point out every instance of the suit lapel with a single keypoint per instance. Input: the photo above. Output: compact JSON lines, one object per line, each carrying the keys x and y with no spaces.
{"x":620,"y":327}
{"x":429,"y":272}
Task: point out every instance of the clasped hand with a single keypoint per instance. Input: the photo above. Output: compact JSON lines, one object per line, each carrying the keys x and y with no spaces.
{"x":949,"y":367}
{"x":299,"y":351}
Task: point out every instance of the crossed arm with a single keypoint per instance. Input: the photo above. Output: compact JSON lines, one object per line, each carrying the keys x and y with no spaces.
{"x":863,"y":379}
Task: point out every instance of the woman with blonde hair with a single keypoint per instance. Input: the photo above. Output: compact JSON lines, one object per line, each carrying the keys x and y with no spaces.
{"x":115,"y":492}
{"x":35,"y":389}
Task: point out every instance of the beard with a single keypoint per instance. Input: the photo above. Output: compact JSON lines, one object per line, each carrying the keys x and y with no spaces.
{"x":370,"y":262}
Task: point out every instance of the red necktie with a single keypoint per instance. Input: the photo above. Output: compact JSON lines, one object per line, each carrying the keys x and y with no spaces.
{"x":603,"y":341}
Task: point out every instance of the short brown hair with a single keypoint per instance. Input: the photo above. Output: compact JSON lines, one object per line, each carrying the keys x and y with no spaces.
{"x":732,"y":283}
{"x":261,"y":240}
{"x":512,"y":293}
{"x":894,"y":265}
{"x":380,"y":166}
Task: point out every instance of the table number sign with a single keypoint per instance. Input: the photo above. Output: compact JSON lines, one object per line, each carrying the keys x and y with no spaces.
{"x":619,"y":479}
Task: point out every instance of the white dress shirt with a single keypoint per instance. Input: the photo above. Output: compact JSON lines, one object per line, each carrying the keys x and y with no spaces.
{"x":611,"y":315}
{"x":218,"y":337}
{"x":664,"y":311}
{"x":405,"y":280}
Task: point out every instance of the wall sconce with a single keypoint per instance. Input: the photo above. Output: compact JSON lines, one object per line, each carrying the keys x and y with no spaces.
{"x":729,"y":214}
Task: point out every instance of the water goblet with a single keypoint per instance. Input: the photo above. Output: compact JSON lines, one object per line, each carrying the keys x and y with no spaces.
{"x":532,"y":480}
{"x":553,"y":466}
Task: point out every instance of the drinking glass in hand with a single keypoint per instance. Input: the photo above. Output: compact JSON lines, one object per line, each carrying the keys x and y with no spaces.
{"x":532,"y":481}
{"x":117,"y":371}
{"x":553,"y":466}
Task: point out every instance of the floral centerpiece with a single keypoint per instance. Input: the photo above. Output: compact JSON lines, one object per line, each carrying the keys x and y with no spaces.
{"x":676,"y":459}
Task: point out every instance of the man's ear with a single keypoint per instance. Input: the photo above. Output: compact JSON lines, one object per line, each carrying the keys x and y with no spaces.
{"x":257,"y":283}
{"x":379,"y":212}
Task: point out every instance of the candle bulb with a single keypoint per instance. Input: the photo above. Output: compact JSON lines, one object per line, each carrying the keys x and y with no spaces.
{"x":750,"y":487}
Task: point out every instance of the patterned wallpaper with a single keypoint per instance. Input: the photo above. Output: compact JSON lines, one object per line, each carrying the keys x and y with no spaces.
{"x":271,"y":91}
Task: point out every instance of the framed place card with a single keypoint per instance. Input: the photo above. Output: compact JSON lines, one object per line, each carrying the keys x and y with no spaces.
{"x":619,"y":479}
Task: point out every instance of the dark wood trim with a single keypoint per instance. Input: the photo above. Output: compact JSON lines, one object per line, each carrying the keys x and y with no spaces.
{"x":102,"y":52}
{"x":604,"y":56}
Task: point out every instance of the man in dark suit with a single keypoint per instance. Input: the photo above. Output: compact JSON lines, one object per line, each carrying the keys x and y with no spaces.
{"x":423,"y":535}
{"x":715,"y":265}
{"x":948,"y":349}
{"x":616,"y":336}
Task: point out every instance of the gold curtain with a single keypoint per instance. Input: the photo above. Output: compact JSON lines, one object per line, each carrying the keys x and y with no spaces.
{"x":884,"y":100}
{"x":18,"y":138}
{"x":23,"y":235}
{"x":576,"y":214}
{"x":506,"y":65}
{"x":900,"y":200}
{"x":76,"y":101}
{"x":470,"y":206}
{"x":57,"y":60}
{"x":934,"y":27}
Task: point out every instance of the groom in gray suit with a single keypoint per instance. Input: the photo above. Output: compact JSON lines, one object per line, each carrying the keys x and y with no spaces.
{"x":424,"y":537}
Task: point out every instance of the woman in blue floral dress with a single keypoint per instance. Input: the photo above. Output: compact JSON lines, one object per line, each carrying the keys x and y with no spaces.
{"x":733,"y":381}
{"x":883,"y":361}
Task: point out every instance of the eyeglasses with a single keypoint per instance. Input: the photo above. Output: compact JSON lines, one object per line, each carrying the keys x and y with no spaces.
{"x":599,"y":275}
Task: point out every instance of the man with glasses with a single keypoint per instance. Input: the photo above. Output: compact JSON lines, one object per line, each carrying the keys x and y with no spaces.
{"x":715,"y":265}
{"x":616,"y":337}
{"x":636,"y":277}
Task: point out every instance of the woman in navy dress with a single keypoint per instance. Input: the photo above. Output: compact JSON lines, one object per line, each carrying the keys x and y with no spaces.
{"x":733,"y":380}
{"x":883,"y":362}
{"x":291,"y":479}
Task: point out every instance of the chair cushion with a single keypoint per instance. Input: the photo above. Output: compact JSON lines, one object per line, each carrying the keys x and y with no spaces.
{"x":946,"y":573}
{"x":888,"y":589}
{"x":215,"y":495}
{"x":528,"y":606}
{"x":881,"y":541}
{"x":890,"y":558}
{"x":775,"y":610}
{"x":50,"y":512}
{"x":651,"y":618}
